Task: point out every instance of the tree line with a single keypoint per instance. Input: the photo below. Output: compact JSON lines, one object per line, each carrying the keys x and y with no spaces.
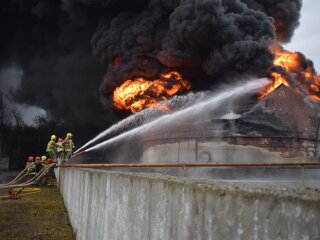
{"x":19,"y":140}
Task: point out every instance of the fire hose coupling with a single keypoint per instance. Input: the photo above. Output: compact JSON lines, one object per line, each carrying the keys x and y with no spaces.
{"x":16,"y":193}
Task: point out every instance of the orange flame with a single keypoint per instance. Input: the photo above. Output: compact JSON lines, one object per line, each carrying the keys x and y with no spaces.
{"x":277,"y":81}
{"x":293,"y":63}
{"x":140,"y":93}
{"x":287,"y":60}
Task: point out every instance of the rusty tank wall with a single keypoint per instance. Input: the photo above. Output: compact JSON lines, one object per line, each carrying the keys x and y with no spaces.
{"x":229,"y":149}
{"x":237,"y":150}
{"x":127,"y":206}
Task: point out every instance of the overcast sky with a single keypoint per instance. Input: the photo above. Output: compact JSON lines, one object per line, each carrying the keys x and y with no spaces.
{"x":9,"y":80}
{"x":306,"y":38}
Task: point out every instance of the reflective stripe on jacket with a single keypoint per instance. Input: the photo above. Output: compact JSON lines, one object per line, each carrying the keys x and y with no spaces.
{"x":51,"y":146}
{"x":60,"y":147}
{"x":68,"y":145}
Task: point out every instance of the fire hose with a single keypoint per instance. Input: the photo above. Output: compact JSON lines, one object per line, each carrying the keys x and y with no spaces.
{"x":25,"y":191}
{"x":33,"y":180}
{"x":36,"y":178}
{"x":20,"y":176}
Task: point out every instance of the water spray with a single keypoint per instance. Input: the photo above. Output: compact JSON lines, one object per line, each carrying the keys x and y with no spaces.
{"x":138,"y":118}
{"x":195,"y":110}
{"x":110,"y":130}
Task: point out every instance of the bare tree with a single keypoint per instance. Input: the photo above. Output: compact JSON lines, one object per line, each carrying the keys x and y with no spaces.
{"x":17,"y":117}
{"x":5,"y":120}
{"x":5,"y":116}
{"x":18,"y":127}
{"x":46,"y":124}
{"x":45,"y":121}
{"x":17,"y":140}
{"x":40,"y":121}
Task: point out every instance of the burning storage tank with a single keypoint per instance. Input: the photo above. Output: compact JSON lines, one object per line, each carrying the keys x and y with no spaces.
{"x":281,"y":126}
{"x":279,"y":123}
{"x":170,"y":48}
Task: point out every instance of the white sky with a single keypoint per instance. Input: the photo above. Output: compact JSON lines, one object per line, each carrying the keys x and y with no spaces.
{"x":306,"y":38}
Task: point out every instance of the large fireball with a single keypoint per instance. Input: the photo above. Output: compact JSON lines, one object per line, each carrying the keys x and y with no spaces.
{"x":140,"y":93}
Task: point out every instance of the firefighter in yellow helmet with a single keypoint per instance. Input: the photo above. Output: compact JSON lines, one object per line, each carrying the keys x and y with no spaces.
{"x":68,"y":146}
{"x":43,"y":160}
{"x":51,"y":147}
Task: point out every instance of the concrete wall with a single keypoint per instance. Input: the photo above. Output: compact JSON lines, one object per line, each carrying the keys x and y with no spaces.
{"x":120,"y":206}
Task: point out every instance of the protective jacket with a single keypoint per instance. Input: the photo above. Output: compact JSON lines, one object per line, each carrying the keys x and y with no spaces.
{"x":60,"y":147}
{"x":30,"y":166}
{"x":51,"y":146}
{"x":68,"y":145}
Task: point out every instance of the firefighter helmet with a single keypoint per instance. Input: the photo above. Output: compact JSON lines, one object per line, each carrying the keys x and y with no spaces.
{"x":53,"y":137}
{"x":49,"y":161}
{"x":43,"y":158}
{"x":30,"y":159}
{"x":69,"y":135}
{"x":37,"y":159}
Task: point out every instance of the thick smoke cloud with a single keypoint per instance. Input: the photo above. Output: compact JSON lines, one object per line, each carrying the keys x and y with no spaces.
{"x":206,"y":40}
{"x":50,"y":41}
{"x":224,"y":35}
{"x":286,"y":14}
{"x":65,"y":47}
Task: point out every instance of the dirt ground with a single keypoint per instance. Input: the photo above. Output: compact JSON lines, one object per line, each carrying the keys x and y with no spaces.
{"x":39,"y":216}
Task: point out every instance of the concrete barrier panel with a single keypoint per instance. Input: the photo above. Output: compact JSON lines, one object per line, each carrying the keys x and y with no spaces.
{"x":126,"y":206}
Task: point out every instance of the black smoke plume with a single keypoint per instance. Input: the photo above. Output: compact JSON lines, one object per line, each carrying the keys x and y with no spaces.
{"x":286,"y":14}
{"x":66,"y":48}
{"x":50,"y":41}
{"x":206,"y":40}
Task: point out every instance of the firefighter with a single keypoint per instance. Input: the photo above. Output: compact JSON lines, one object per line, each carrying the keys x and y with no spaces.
{"x":49,"y":161}
{"x":29,"y":165}
{"x":38,"y":165}
{"x":43,"y":160}
{"x":47,"y":178}
{"x":50,"y":175}
{"x":51,"y":147}
{"x":60,"y":151}
{"x":68,"y":146}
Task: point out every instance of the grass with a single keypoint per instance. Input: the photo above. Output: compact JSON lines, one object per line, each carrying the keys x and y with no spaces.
{"x":40,"y":216}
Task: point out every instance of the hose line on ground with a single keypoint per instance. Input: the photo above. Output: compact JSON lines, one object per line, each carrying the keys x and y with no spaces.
{"x":25,"y":191}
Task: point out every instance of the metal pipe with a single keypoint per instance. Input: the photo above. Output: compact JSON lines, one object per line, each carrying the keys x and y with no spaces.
{"x":302,"y":177}
{"x":244,"y":164}
{"x":183,"y":171}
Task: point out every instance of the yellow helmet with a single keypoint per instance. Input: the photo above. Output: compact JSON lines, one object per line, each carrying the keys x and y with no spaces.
{"x":53,"y":137}
{"x":69,"y":135}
